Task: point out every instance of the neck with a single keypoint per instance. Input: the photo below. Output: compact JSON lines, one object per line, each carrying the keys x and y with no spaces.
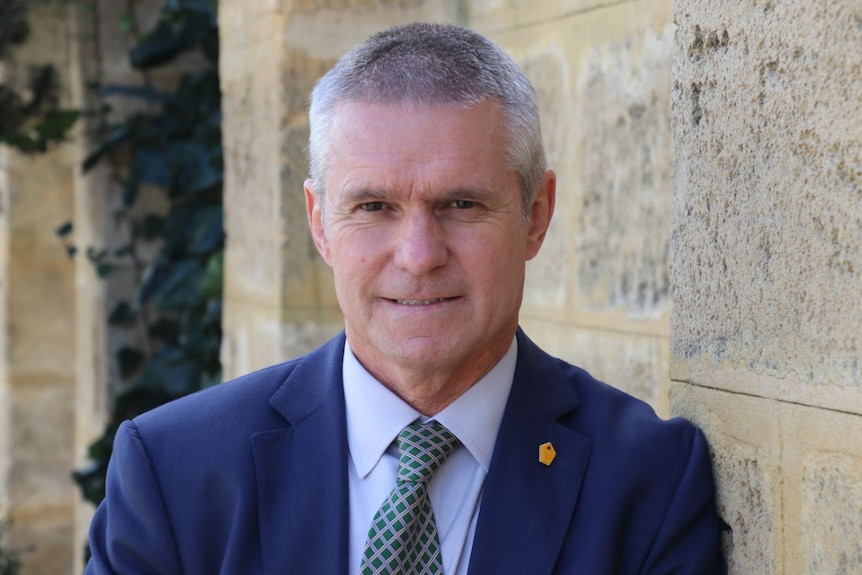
{"x":430,"y":392}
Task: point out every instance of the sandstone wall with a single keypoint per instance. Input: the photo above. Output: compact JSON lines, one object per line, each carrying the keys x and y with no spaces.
{"x":598,"y":294}
{"x":766,"y":268}
{"x":57,"y":358}
{"x":38,"y":382}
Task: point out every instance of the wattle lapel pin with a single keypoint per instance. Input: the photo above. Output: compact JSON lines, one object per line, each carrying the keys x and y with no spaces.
{"x":547,"y":453}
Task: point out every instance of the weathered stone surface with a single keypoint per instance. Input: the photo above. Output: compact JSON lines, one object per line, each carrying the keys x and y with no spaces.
{"x":40,"y":318}
{"x":767,"y":258}
{"x":822,"y":474}
{"x":625,"y":187}
{"x":744,"y":435}
{"x":43,"y":454}
{"x":547,"y":70}
{"x":832,"y":514}
{"x":636,"y":364}
{"x":44,"y":546}
{"x":327,"y":31}
{"x":500,"y":14}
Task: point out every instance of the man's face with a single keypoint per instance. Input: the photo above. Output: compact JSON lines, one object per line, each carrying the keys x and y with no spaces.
{"x":426,"y":235}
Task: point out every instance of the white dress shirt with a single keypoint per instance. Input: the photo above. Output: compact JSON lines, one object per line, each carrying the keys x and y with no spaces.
{"x":375,"y":417}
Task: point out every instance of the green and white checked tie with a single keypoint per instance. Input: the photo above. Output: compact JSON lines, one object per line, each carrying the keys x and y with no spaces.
{"x":403,"y":536}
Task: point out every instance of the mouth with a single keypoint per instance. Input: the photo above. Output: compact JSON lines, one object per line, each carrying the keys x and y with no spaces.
{"x":421,"y":302}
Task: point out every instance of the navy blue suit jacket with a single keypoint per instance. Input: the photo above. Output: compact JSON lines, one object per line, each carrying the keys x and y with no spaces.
{"x":251,"y":477}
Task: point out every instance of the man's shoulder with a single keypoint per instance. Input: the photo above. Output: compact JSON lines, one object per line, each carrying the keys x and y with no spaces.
{"x":614,"y":420}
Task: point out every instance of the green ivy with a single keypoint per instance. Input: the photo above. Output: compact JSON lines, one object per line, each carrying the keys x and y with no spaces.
{"x":10,"y":564}
{"x":176,"y":147}
{"x":30,"y":118}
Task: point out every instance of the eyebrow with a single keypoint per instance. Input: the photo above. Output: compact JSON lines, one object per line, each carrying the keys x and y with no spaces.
{"x":362,"y":195}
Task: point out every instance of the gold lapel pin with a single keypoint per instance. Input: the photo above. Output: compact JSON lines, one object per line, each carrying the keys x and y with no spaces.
{"x":547,"y":453}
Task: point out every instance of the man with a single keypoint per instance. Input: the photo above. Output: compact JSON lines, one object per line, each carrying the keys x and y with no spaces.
{"x":432,"y":435}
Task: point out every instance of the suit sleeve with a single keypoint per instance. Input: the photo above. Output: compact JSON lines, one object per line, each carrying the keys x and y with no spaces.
{"x":131,"y":532}
{"x":689,"y":539}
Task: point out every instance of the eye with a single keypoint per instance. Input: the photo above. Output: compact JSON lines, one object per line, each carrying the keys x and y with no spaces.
{"x":372,"y":206}
{"x":463,"y":204}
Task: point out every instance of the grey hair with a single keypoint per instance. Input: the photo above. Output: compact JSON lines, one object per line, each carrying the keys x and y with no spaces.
{"x":431,"y":64}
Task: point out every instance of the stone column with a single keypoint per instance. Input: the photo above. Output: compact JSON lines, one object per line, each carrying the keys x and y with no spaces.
{"x":766,"y":269}
{"x":37,"y":407}
{"x":278,"y":298}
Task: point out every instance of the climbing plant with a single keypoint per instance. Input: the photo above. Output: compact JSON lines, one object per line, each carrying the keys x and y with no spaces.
{"x":10,"y":563}
{"x":171,"y":147}
{"x":30,"y":116}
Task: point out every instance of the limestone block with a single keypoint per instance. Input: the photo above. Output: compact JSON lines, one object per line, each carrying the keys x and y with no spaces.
{"x":41,"y":446}
{"x":252,"y":194}
{"x":5,"y":445}
{"x":516,"y":13}
{"x":45,"y":547}
{"x":257,"y":336}
{"x":547,"y":70}
{"x":766,"y":257}
{"x":250,"y":337}
{"x":635,"y":364}
{"x":326,"y":30}
{"x":625,"y":188}
{"x":299,"y":337}
{"x":744,"y":435}
{"x":823,"y":490}
{"x":40,"y":199}
{"x":40,"y":308}
{"x":593,"y":69}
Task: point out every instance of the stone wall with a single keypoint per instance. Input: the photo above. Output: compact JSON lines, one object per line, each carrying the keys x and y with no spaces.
{"x":57,"y":358}
{"x":766,"y":268}
{"x":37,"y":385}
{"x":598,"y":294}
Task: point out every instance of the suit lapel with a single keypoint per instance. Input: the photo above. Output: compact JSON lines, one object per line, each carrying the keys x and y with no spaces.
{"x":527,"y":506}
{"x":301,"y":470}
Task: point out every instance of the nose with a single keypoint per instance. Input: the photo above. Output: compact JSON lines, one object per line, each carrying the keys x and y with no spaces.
{"x":421,"y":246}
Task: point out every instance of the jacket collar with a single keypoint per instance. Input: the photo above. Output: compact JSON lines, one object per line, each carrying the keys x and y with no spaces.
{"x":301,"y":473}
{"x":527,"y":505}
{"x":302,"y":476}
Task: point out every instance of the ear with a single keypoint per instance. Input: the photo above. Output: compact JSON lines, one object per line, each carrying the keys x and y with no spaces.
{"x":315,"y":221}
{"x":541,"y":212}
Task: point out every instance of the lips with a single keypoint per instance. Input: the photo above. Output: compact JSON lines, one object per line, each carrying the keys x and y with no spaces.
{"x":420,"y":302}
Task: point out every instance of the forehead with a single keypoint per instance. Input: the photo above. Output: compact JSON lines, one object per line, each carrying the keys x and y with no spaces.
{"x":398,"y":141}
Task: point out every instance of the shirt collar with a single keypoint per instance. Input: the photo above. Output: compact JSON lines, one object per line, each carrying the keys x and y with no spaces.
{"x":375,"y":415}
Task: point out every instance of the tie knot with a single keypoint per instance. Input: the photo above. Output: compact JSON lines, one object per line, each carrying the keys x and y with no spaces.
{"x":422,"y":447}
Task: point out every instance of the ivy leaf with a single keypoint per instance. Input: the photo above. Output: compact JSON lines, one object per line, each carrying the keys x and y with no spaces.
{"x":64,"y":229}
{"x":165,"y":330}
{"x":212,"y":281}
{"x":151,"y":228}
{"x":56,"y":124}
{"x":118,"y":136}
{"x":122,"y":315}
{"x":160,"y":46}
{"x":180,"y":285}
{"x":207,"y":230}
{"x":103,"y":270}
{"x":124,"y":251}
{"x":151,"y":167}
{"x":170,"y":370}
{"x":129,"y":360}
